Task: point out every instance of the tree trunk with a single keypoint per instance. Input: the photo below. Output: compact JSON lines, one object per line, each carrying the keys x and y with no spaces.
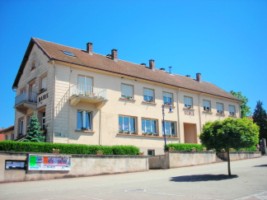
{"x":228,"y":161}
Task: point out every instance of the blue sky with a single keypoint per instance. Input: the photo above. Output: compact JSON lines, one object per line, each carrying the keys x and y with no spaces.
{"x":224,"y":40}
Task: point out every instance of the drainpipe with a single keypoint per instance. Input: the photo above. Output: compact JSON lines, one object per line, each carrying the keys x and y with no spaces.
{"x":178,"y":117}
{"x":100,"y":125}
{"x":199,"y":114}
{"x":69,"y":105}
{"x":53,"y":102}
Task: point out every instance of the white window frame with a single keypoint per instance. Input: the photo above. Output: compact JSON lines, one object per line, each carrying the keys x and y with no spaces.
{"x":170,"y":128}
{"x":21,"y":126}
{"x":149,"y":126}
{"x":82,"y":125}
{"x":43,"y":83}
{"x":188,"y":102}
{"x":232,"y":110}
{"x":167,"y":95}
{"x":149,"y":95}
{"x":127,"y":124}
{"x":206,"y":105}
{"x":220,"y":108}
{"x":127,"y":91}
{"x":85,"y":85}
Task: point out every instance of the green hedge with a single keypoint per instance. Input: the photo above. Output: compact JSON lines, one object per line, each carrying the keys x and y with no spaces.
{"x":249,"y":149}
{"x":186,"y":147}
{"x":42,"y":147}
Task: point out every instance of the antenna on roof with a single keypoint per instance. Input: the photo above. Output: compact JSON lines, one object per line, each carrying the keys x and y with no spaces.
{"x":170,"y":69}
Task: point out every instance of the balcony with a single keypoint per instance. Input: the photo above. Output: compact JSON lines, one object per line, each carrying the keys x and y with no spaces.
{"x":92,"y":95}
{"x":26,"y":101}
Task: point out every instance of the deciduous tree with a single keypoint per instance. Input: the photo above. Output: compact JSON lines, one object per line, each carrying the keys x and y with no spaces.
{"x":245,"y":109}
{"x":229,"y":133}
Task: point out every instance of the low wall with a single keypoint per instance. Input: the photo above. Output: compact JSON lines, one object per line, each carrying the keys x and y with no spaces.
{"x":239,"y":155}
{"x":179,"y":159}
{"x":190,"y":159}
{"x":80,"y":166}
{"x":159,"y":162}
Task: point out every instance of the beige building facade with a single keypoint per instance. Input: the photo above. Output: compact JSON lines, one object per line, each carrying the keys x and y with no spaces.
{"x":86,"y":98}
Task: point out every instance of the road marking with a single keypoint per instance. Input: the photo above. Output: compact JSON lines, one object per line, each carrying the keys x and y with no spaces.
{"x":256,"y":196}
{"x":150,"y":192}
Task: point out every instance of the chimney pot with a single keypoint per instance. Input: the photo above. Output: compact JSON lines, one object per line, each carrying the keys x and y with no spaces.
{"x":114,"y":54}
{"x":89,"y":48}
{"x":151,"y":64}
{"x":198,"y":77}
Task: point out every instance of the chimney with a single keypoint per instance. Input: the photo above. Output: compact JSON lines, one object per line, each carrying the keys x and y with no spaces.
{"x":151,"y":64}
{"x":89,"y":48}
{"x":198,"y":77}
{"x":114,"y":54}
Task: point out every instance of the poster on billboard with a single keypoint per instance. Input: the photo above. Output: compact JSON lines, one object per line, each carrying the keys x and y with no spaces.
{"x":49,"y":162}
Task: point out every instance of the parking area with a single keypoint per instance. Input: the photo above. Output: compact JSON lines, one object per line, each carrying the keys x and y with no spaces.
{"x":198,"y":182}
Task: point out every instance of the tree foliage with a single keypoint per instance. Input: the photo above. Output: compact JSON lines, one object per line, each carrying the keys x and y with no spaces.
{"x":260,"y":118}
{"x":245,"y":109}
{"x":230,"y":133}
{"x":34,"y":133}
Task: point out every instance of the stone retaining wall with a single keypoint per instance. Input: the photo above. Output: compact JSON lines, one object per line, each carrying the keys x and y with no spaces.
{"x":80,"y":166}
{"x":179,"y":159}
{"x":239,"y":155}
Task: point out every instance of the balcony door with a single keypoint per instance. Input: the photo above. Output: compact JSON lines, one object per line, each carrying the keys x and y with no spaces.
{"x":85,"y":85}
{"x":32,"y":92}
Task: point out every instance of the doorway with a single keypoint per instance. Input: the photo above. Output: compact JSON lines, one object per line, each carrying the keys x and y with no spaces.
{"x":190,"y":133}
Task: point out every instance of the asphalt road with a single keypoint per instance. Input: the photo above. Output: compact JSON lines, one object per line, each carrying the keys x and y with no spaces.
{"x":199,"y":182}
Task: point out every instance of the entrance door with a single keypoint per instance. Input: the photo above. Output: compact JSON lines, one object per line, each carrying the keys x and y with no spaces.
{"x":190,"y":133}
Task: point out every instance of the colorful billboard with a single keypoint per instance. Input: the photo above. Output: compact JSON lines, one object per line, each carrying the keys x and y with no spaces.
{"x":49,"y":162}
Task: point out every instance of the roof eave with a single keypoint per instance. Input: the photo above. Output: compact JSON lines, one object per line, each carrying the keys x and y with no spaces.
{"x":25,"y":59}
{"x":146,"y":79}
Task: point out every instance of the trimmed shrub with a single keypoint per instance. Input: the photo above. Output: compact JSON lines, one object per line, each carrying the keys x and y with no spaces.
{"x":43,"y":147}
{"x":186,"y":147}
{"x":125,"y":150}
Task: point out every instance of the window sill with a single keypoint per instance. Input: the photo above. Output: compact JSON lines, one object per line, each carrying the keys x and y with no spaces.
{"x":190,"y":109}
{"x":207,"y":112}
{"x":85,"y":131}
{"x":147,"y":136}
{"x":126,"y":99}
{"x":220,"y":114}
{"x":127,"y":134}
{"x":233,"y":116}
{"x":149,"y":103}
{"x":168,"y":106}
{"x":150,"y":135}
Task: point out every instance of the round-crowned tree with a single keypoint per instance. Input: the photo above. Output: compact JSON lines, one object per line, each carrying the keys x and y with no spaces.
{"x":230,"y":133}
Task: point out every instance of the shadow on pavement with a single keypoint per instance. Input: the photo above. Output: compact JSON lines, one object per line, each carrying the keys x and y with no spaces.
{"x":261,"y":165}
{"x":202,"y":177}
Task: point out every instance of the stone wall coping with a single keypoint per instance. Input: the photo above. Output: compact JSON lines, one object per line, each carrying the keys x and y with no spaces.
{"x":73,"y":155}
{"x":189,"y":152}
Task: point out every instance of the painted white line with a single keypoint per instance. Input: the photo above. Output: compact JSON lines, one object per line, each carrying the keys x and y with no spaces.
{"x":258,"y":196}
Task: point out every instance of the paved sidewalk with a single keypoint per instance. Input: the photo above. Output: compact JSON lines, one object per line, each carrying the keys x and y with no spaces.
{"x":199,"y":182}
